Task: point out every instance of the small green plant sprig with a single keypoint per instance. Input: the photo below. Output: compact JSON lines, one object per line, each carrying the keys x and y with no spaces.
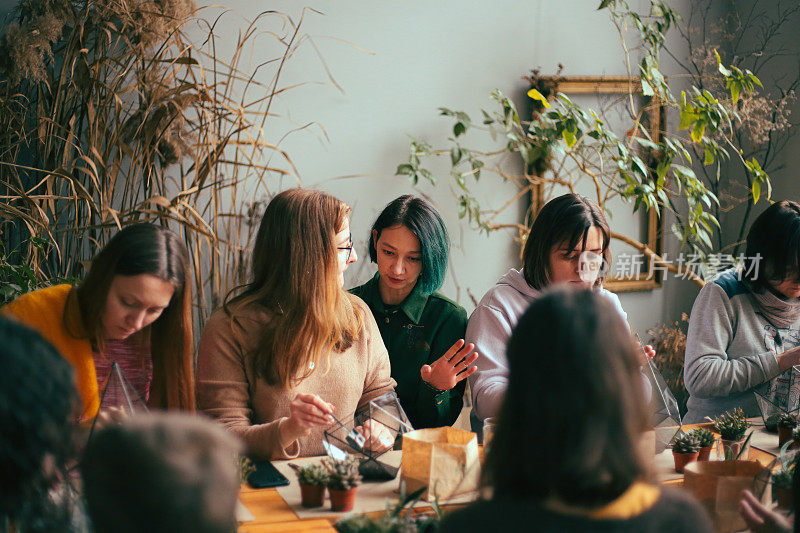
{"x":397,"y":519}
{"x":731,"y":425}
{"x":787,"y":421}
{"x":783,"y":478}
{"x":245,"y":467}
{"x":686,"y":444}
{"x":342,"y":475}
{"x":703,"y":436}
{"x":314,"y":474}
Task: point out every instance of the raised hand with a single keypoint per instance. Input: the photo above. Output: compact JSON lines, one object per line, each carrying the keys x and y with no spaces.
{"x":760,"y":519}
{"x":452,"y":367}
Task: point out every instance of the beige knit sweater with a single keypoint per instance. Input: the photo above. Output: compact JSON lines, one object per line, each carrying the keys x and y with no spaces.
{"x":229,"y":390}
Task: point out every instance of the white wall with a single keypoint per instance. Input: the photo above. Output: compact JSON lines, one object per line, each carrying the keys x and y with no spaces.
{"x":422,"y":55}
{"x":419,"y":55}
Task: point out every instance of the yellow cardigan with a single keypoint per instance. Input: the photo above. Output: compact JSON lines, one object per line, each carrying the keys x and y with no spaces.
{"x":45,"y":311}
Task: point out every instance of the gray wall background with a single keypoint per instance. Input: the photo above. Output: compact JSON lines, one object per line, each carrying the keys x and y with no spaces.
{"x":396,"y":63}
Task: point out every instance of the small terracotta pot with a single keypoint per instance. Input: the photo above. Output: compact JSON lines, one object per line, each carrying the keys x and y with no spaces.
{"x":784,"y":497}
{"x":342,"y":500}
{"x":784,"y":434}
{"x":311,"y":495}
{"x":683,"y":459}
{"x":704,"y":454}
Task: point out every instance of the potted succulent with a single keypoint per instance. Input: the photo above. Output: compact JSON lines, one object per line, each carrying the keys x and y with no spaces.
{"x":312,"y":479}
{"x":343,"y":479}
{"x":731,"y":426}
{"x":795,"y":438}
{"x":782,"y":485}
{"x":706,"y":440}
{"x":685,"y":449}
{"x":786,"y":425}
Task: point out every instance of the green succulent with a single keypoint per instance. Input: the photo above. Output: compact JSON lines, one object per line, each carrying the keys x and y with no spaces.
{"x":342,"y":475}
{"x":731,"y":425}
{"x":314,"y":474}
{"x":705,"y":437}
{"x":687,"y":443}
{"x":783,"y":478}
{"x":787,"y":421}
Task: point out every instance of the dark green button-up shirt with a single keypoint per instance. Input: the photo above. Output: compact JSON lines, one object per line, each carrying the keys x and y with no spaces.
{"x":418,"y":332}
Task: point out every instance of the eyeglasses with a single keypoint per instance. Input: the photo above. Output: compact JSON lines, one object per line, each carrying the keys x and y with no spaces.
{"x":349,"y":249}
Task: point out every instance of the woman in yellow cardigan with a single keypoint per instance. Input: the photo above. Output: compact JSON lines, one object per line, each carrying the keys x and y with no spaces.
{"x":133,"y":308}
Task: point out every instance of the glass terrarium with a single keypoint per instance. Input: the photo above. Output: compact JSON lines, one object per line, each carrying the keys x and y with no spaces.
{"x":774,"y":483}
{"x":374,"y":430}
{"x":779,"y":396}
{"x":665,"y":414}
{"x":118,"y":399}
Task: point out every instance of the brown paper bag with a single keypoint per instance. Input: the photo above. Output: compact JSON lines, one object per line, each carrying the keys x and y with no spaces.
{"x":718,"y":486}
{"x":445,"y":460}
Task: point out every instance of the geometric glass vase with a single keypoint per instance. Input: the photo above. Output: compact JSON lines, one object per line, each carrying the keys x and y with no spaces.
{"x":118,"y":398}
{"x":374,"y":429}
{"x":778,"y":474}
{"x":779,"y":396}
{"x":664,"y":411}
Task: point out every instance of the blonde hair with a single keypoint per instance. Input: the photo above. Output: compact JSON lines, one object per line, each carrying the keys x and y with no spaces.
{"x":295,"y":276}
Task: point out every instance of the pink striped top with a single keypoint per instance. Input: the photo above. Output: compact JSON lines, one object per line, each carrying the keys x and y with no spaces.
{"x":135,"y":363}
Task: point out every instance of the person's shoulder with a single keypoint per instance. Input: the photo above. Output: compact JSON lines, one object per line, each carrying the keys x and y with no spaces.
{"x":678,"y":506}
{"x":446,"y":305}
{"x":41,"y":300}
{"x":730,"y":282}
{"x":472,"y":517}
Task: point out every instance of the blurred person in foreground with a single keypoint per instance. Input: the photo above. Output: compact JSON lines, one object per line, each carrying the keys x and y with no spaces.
{"x":566,"y":455}
{"x":162,"y":472}
{"x":38,"y":402}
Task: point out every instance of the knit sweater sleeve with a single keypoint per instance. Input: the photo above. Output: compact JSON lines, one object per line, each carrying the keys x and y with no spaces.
{"x":223,"y":390}
{"x":709,"y":371}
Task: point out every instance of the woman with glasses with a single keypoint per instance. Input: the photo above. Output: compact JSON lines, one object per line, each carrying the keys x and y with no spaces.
{"x":293,"y":350}
{"x":422,"y":329}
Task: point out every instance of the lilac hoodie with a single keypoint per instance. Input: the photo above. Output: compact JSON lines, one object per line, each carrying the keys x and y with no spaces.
{"x":490,"y":327}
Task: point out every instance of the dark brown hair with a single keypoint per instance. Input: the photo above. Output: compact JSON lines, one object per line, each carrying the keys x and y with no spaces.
{"x":146,"y":249}
{"x":161,"y":472}
{"x":563,"y":220}
{"x":574,"y":408}
{"x":773,"y":245}
{"x":295,"y":275}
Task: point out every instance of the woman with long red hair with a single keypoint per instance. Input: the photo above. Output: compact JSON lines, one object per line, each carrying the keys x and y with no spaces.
{"x":293,"y":349}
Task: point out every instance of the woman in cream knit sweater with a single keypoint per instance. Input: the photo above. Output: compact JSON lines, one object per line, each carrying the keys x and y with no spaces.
{"x":293,"y":349}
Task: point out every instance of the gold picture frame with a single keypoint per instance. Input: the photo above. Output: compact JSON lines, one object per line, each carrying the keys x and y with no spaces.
{"x":609,"y":85}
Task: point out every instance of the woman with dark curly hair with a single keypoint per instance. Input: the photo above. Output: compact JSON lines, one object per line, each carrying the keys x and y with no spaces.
{"x":37,"y":403}
{"x":133,"y":308}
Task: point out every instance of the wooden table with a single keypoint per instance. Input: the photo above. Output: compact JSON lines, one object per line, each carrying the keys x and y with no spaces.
{"x":273,"y":515}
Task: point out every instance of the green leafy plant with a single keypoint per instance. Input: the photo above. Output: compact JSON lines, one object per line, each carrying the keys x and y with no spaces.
{"x":687,"y":443}
{"x":783,"y":478}
{"x":245,"y":467}
{"x":342,"y":475}
{"x":314,"y":474}
{"x":564,"y":143}
{"x":731,"y":425}
{"x":396,"y":519}
{"x":705,"y":438}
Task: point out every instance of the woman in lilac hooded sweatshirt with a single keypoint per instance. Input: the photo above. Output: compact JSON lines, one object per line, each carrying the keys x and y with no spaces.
{"x":568,"y":244}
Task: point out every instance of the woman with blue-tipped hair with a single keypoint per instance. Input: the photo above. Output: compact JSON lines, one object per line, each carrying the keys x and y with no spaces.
{"x":422,"y":329}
